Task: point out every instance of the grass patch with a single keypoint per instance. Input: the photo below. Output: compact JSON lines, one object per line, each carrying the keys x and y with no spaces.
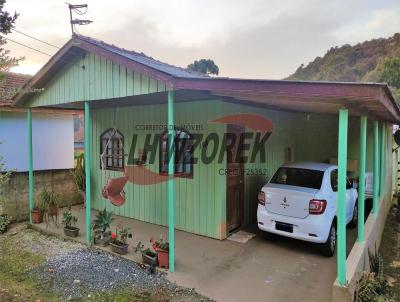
{"x":127,"y":296}
{"x":16,"y":283}
{"x":389,"y":249}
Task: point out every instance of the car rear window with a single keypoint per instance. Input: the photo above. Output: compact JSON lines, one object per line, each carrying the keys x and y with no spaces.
{"x":298,"y":177}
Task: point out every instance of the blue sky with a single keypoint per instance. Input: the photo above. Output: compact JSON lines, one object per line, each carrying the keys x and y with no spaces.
{"x":247,"y":39}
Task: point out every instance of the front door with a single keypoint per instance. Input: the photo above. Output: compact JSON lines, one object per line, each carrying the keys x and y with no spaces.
{"x":235,"y":177}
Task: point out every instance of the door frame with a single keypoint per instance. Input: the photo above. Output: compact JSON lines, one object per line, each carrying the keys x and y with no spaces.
{"x":237,"y":130}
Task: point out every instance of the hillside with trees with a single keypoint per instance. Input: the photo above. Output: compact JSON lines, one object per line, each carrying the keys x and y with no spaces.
{"x":376,"y":60}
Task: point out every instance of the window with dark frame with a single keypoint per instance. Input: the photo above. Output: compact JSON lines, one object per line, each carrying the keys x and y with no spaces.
{"x":183,"y":147}
{"x":113,"y":155}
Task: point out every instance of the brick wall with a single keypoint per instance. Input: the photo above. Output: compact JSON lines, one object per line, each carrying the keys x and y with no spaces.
{"x":16,"y":195}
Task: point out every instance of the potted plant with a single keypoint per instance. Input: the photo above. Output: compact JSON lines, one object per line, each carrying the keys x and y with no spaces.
{"x":49,"y":199}
{"x":119,"y":240}
{"x":161,"y":246}
{"x":38,"y":211}
{"x":149,"y":257}
{"x":69,"y":222}
{"x":79,"y":177}
{"x":101,"y":225}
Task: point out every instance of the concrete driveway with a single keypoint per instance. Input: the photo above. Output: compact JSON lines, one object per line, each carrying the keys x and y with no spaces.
{"x":281,"y":269}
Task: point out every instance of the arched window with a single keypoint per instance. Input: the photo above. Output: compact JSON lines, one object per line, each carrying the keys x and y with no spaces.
{"x":112,"y":149}
{"x":183,"y":147}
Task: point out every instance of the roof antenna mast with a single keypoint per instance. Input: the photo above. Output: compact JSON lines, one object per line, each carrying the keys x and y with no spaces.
{"x":79,"y":9}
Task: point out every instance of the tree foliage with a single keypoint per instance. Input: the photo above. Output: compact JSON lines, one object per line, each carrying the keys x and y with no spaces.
{"x":391,"y":71}
{"x":7,"y":22}
{"x":205,"y":66}
{"x":376,"y":60}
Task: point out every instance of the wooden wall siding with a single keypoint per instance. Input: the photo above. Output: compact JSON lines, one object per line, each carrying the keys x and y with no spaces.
{"x":199,"y":201}
{"x":101,"y":79}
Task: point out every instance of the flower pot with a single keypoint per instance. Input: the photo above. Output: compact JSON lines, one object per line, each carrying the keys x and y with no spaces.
{"x":71,"y":231}
{"x":163,"y":258}
{"x":150,"y":258}
{"x":121,"y":249}
{"x":105,"y":241}
{"x":37,"y":216}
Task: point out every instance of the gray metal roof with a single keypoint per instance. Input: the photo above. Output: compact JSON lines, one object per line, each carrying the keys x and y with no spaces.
{"x":144,"y":59}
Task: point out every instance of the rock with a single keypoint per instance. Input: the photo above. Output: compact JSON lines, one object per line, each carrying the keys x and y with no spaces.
{"x":77,"y":281}
{"x":391,"y":281}
{"x":395,"y":264}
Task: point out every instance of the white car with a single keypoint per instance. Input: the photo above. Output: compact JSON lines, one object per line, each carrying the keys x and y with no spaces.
{"x":300,"y":201}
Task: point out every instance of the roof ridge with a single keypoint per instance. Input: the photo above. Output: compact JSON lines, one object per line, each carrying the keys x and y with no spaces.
{"x":100,"y":43}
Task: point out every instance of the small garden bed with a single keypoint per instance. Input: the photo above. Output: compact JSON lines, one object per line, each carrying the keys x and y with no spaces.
{"x":36,"y":267}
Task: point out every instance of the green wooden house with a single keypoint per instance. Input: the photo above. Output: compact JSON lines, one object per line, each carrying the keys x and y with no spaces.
{"x":131,"y":99}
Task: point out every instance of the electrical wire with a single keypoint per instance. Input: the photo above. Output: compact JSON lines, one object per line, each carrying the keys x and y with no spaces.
{"x":27,"y":46}
{"x":37,"y":39}
{"x":44,"y":53}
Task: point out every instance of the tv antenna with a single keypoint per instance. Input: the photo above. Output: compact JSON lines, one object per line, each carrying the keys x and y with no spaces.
{"x":79,"y":9}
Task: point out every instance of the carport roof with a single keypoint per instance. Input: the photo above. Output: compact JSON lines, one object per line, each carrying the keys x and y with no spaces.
{"x":371,"y":99}
{"x":374,"y":100}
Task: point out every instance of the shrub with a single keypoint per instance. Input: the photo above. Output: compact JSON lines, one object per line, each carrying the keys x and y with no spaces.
{"x":79,"y":173}
{"x":102,"y":222}
{"x":69,"y":220}
{"x":4,"y":222}
{"x":372,"y":286}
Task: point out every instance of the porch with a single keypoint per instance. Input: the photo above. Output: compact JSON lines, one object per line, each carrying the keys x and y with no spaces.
{"x":227,"y":270}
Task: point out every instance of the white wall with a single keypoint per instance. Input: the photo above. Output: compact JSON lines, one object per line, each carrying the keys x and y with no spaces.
{"x":53,"y":141}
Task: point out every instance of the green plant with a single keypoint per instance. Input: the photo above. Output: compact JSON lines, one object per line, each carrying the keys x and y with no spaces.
{"x":48,"y":199}
{"x":4,"y":222}
{"x":375,"y":263}
{"x":372,"y":286}
{"x":69,"y":220}
{"x":121,"y":235}
{"x":40,"y":205}
{"x":79,"y":174}
{"x":140,"y":248}
{"x":102,"y":222}
{"x":372,"y":289}
{"x":4,"y":179}
{"x":160,"y":244}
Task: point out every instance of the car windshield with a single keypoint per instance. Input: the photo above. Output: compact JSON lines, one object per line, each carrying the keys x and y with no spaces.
{"x":298,"y":177}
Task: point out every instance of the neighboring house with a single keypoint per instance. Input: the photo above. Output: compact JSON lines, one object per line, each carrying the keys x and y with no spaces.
{"x":130,"y":98}
{"x":53,"y":134}
{"x":79,"y":133}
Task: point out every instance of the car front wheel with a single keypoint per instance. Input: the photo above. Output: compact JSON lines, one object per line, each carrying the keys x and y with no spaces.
{"x":328,"y":247}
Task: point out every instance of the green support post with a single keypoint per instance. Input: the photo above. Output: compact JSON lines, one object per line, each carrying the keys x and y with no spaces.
{"x":171,"y":203}
{"x":361,"y":185}
{"x":30,"y":163}
{"x":383,"y":159}
{"x":341,"y":196}
{"x":376,"y":168}
{"x":87,"y":170}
